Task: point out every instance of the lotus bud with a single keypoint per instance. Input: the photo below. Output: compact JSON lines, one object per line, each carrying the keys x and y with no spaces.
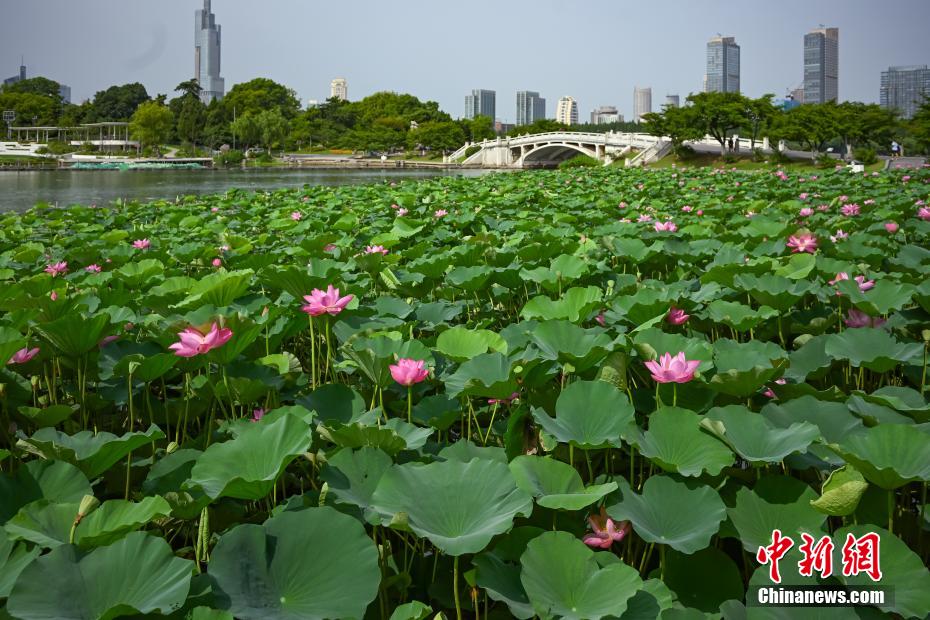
{"x":323,"y":492}
{"x":172,"y":447}
{"x":926,"y":335}
{"x":88,"y":504}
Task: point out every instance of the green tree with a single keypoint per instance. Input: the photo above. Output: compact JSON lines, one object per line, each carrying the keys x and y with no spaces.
{"x":720,"y":114}
{"x":542,"y":125}
{"x":678,"y":124}
{"x":246,"y":130}
{"x":36,"y":86}
{"x":191,"y":119}
{"x":117,"y":103}
{"x":261,"y":94}
{"x":861,"y":124}
{"x":440,"y":136}
{"x":919,"y":125}
{"x":759,"y":115}
{"x":189,"y":88}
{"x":811,"y":124}
{"x":151,"y":124}
{"x":273,"y":128}
{"x":480,"y":128}
{"x":30,"y":108}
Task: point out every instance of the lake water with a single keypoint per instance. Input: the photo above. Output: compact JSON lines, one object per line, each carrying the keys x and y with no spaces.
{"x":21,"y":190}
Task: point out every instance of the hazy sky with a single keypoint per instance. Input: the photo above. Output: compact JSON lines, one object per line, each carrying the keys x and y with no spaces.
{"x":440,"y":50}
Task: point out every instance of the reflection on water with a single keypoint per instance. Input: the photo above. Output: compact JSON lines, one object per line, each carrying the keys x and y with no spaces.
{"x":22,"y":190}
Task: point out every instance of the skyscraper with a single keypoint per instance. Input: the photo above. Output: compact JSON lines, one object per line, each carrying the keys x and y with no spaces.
{"x":530,"y":107}
{"x":64,"y":91}
{"x":672,"y":101}
{"x":821,"y":65}
{"x":904,"y":88}
{"x":339,"y":89}
{"x":606,"y":114}
{"x":207,"y":40}
{"x":722,"y":66}
{"x":642,"y":102}
{"x":567,"y":111}
{"x":481,"y":103}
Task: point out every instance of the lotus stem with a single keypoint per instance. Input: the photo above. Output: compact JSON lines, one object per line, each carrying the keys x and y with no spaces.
{"x":410,"y":404}
{"x":891,"y":507}
{"x":312,"y":356}
{"x":455,"y":587}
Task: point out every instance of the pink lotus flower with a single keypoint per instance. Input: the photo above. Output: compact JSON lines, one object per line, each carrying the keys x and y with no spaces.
{"x":644,"y":218}
{"x":687,"y":208}
{"x":107,"y":340}
{"x":856,"y":318}
{"x":53,"y":296}
{"x":328,"y":302}
{"x":803,"y":195}
{"x":870,"y":201}
{"x":668,"y":226}
{"x":806,"y":212}
{"x":217,"y":263}
{"x":839,"y":235}
{"x":700,"y":211}
{"x":906,"y":178}
{"x":440,"y":213}
{"x":23,"y":355}
{"x":605,"y":531}
{"x":194,"y":342}
{"x":257,"y":414}
{"x":891,"y":227}
{"x":375,"y":249}
{"x":622,"y":205}
{"x":214,"y":209}
{"x":850,"y":210}
{"x":823,"y":207}
{"x":805,"y":242}
{"x":676,"y":316}
{"x":395,"y":206}
{"x":864,"y":284}
{"x":924,"y":213}
{"x":600,"y":319}
{"x":296,"y":216}
{"x":95,"y":268}
{"x":330,"y":247}
{"x":407,"y":371}
{"x":843,"y":198}
{"x":504,"y":401}
{"x":141,"y":244}
{"x":402,"y":212}
{"x":57,"y":269}
{"x":839,"y":278}
{"x":672,"y":369}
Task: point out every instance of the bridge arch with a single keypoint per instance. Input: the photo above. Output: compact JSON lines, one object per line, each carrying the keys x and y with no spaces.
{"x":552,"y":153}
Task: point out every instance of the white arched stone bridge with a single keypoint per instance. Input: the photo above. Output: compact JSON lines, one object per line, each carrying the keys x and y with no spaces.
{"x":546,"y":149}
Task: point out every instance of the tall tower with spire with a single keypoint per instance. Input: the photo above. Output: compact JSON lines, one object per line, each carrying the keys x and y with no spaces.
{"x":207,"y":39}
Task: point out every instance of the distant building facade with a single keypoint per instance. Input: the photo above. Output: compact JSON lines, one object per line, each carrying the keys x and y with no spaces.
{"x":501,"y":128}
{"x":722,"y":74}
{"x":606,"y":114}
{"x":904,"y":88}
{"x":566,"y":112}
{"x":530,"y":107}
{"x":339,"y":89}
{"x":64,"y":91}
{"x":672,"y":101}
{"x":481,"y":103}
{"x":797,"y":95}
{"x":642,"y":102}
{"x":207,"y":42}
{"x":821,"y":65}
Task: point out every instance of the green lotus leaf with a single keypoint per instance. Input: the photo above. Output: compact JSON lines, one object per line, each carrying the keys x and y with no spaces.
{"x":885,"y":297}
{"x":73,"y":335}
{"x":755,"y":518}
{"x":464,"y":451}
{"x":670,"y":513}
{"x":902,"y":570}
{"x":657,"y":342}
{"x":49,"y":416}
{"x":588,"y":414}
{"x":458,"y":506}
{"x":906,"y":400}
{"x":11,"y":341}
{"x":676,"y":443}
{"x":470,"y":279}
{"x":411,"y":611}
{"x":555,"y":484}
{"x":218,"y":289}
{"x":92,"y":453}
{"x":135,"y":274}
{"x":771,"y":290}
{"x":841,"y":492}
{"x":334,"y":403}
{"x":563,"y":579}
{"x":501,"y":580}
{"x":704,"y":579}
{"x":756,"y":439}
{"x":248,"y":466}
{"x":569,"y":344}
{"x":738,"y":316}
{"x":743,"y":368}
{"x":461,"y":344}
{"x":487,"y":375}
{"x":14,"y":557}
{"x":52,"y":480}
{"x":888,"y":455}
{"x":811,"y":357}
{"x":797,"y":267}
{"x":575,"y":304}
{"x":353,"y":475}
{"x":834,"y":420}
{"x":305,"y":565}
{"x":871,"y":348}
{"x":138,"y":574}
{"x":359,"y":435}
{"x":44,"y":523}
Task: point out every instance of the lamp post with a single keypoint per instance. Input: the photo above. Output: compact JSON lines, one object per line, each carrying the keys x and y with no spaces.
{"x":8,"y":117}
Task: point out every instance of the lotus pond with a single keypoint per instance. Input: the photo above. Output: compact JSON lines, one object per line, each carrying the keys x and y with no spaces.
{"x":582,"y":394}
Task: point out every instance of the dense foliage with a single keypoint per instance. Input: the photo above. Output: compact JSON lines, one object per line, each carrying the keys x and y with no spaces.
{"x":579,"y":394}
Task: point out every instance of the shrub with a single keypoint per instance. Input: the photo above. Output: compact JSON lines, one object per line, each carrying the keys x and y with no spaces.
{"x":865,"y":155}
{"x":759,"y":156}
{"x":777,"y":157}
{"x":474,"y":148}
{"x":824,"y":160}
{"x":685,"y":152}
{"x":579,"y":161}
{"x":229,"y":158}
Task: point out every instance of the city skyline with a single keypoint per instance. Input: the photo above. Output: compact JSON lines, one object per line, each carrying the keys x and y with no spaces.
{"x":156,"y":51}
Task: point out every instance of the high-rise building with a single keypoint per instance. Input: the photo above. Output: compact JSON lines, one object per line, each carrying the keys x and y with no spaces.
{"x":606,"y":114}
{"x":566,"y":112}
{"x":672,"y":101}
{"x":207,"y":41}
{"x":530,"y":107}
{"x":904,"y":88}
{"x":821,"y":65}
{"x":722,"y":66}
{"x":797,"y":95}
{"x":642,"y":102}
{"x":481,"y":103}
{"x":64,"y":91}
{"x":339,"y":89}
